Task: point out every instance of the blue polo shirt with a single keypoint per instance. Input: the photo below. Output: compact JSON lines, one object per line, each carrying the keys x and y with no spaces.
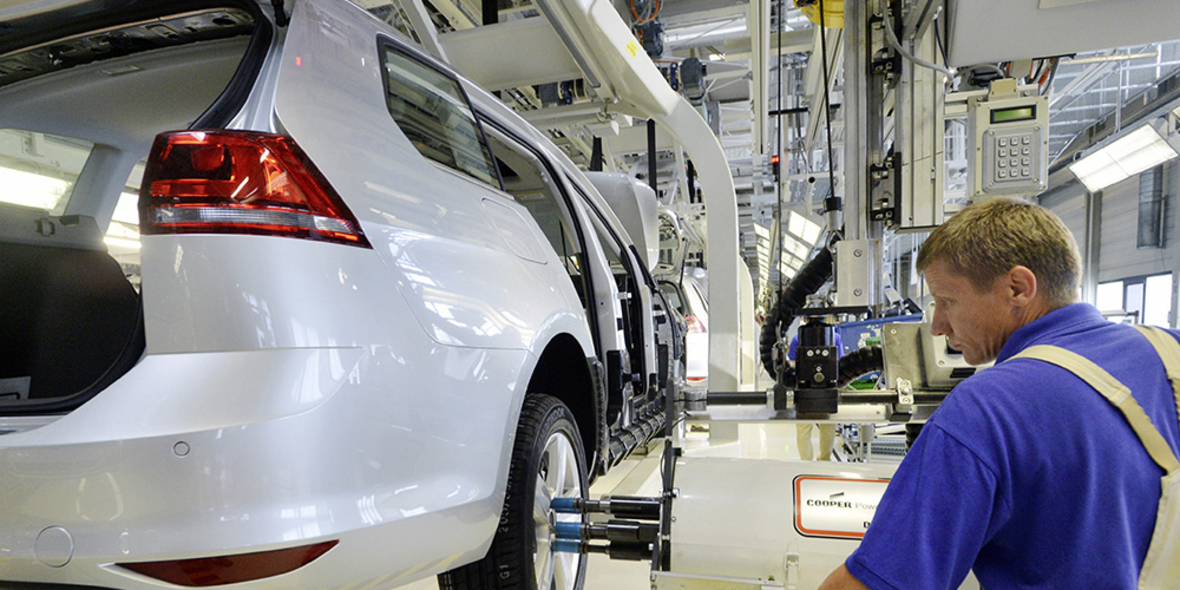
{"x":1026,"y":474}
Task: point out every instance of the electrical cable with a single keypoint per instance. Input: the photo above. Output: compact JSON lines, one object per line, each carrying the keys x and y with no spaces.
{"x":823,"y":46}
{"x":793,"y":297}
{"x":651,"y":10}
{"x":991,"y":67}
{"x":938,"y":41}
{"x":896,"y":45}
{"x":1052,"y":74}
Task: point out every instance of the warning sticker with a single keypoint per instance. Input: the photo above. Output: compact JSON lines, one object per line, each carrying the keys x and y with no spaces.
{"x":834,"y":507}
{"x":632,"y":48}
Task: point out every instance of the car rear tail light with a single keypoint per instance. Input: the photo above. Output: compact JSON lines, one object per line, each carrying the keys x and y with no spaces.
{"x":240,"y":183}
{"x":694,"y":325}
{"x":230,"y":569}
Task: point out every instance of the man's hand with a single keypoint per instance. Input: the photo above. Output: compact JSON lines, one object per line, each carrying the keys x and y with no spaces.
{"x":842,"y":580}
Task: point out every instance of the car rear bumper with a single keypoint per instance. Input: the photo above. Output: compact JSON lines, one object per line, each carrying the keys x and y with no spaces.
{"x":212,"y":454}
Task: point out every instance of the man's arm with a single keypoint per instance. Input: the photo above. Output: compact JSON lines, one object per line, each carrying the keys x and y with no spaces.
{"x":842,"y":580}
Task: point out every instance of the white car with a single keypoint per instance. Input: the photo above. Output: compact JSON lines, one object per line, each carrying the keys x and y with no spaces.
{"x":690,"y":298}
{"x":382,"y":320}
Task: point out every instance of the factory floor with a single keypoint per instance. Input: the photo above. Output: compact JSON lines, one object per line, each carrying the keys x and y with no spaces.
{"x":639,"y":475}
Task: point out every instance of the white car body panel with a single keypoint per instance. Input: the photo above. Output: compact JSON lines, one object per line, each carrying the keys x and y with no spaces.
{"x":284,"y":445}
{"x":442,"y":247}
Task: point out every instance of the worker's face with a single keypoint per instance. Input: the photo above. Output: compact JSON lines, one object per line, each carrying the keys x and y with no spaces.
{"x":977,"y":323}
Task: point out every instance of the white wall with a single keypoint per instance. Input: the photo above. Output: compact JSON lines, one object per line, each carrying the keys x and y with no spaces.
{"x":1117,"y":256}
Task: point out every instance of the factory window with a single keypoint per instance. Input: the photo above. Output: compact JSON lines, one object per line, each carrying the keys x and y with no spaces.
{"x":1141,"y":300}
{"x":432,"y":110}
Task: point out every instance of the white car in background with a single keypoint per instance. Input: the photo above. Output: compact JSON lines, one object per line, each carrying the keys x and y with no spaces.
{"x":374,"y":324}
{"x":686,"y":288}
{"x":690,"y":298}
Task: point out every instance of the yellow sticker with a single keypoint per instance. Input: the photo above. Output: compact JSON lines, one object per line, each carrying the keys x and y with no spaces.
{"x":632,"y":47}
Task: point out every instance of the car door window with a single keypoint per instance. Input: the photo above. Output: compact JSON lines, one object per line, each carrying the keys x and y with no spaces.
{"x":432,"y":110}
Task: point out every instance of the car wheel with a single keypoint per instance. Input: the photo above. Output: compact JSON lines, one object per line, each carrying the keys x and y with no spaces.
{"x":547,"y":462}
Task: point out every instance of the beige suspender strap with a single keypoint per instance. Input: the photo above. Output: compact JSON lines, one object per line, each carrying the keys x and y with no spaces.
{"x":1116,"y":393}
{"x":1169,"y":351}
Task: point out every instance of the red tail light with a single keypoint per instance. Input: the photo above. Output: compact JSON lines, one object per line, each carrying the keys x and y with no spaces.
{"x":240,"y":183}
{"x":230,"y":569}
{"x":694,"y":325}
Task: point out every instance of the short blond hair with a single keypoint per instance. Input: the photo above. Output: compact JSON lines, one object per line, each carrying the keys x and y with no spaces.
{"x":988,"y":238}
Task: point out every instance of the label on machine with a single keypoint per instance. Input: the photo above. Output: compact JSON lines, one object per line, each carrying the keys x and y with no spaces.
{"x":835,"y":507}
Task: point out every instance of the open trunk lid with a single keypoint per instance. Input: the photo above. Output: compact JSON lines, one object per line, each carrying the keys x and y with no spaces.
{"x":84,"y":89}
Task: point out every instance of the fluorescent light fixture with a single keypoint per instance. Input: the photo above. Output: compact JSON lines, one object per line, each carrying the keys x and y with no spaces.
{"x":1137,"y":151}
{"x":803,"y":228}
{"x":31,"y":190}
{"x":799,"y":249}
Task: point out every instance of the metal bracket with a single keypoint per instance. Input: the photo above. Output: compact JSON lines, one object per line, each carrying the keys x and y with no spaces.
{"x":905,"y":400}
{"x":791,"y":565}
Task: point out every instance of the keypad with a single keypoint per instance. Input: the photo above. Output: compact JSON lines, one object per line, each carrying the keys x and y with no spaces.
{"x":1010,"y":159}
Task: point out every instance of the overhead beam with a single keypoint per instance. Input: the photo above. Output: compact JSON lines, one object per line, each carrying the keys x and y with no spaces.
{"x":479,"y":54}
{"x":633,"y":140}
{"x":454,"y":14}
{"x":564,"y":115}
{"x":1080,"y":83}
{"x":759,"y":18}
{"x":420,"y":19}
{"x":791,"y":42}
{"x":700,"y":17}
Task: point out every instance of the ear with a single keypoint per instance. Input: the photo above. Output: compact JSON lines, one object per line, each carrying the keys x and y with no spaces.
{"x":1021,"y":286}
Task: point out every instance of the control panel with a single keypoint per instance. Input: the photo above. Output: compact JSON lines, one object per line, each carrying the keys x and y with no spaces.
{"x":1010,"y":128}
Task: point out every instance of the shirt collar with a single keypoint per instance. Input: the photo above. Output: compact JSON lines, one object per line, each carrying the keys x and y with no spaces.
{"x":1061,"y":321}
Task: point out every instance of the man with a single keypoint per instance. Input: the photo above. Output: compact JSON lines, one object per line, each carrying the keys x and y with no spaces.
{"x":803,"y":430}
{"x":1025,"y":474}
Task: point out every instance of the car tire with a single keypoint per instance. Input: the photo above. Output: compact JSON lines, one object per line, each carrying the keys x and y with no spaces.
{"x":547,"y":461}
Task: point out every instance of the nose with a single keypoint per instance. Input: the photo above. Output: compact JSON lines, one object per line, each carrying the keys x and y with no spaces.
{"x":938,"y":324}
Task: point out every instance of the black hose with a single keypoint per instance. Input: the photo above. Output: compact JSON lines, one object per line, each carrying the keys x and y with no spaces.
{"x":811,"y":277}
{"x":859,"y":362}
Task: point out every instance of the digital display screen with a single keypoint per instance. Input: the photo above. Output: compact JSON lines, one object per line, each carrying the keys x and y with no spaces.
{"x":1014,"y":114}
